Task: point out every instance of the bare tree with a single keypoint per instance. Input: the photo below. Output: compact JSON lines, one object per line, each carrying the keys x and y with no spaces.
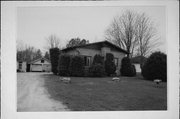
{"x":121,"y":31}
{"x":27,"y":53}
{"x":52,"y":42}
{"x":146,"y":35}
{"x":134,"y":32}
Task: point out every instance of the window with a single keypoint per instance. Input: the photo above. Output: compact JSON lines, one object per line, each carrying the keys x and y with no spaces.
{"x":20,"y":65}
{"x":42,"y":61}
{"x":87,"y":60}
{"x":116,"y":61}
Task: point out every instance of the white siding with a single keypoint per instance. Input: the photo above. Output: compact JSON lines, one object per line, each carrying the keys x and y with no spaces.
{"x":41,"y":66}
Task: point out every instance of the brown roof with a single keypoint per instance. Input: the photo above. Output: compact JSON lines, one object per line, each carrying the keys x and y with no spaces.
{"x":97,"y":45}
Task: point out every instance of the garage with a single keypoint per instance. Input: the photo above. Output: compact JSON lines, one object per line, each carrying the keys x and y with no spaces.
{"x":40,"y":65}
{"x":36,"y":67}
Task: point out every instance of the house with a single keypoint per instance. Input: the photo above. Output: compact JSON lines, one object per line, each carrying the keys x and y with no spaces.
{"x":40,"y":65}
{"x":88,"y":51}
{"x":21,"y":66}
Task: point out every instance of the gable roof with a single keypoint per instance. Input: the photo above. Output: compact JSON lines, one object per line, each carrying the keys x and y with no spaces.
{"x":42,"y":58}
{"x":101,"y":44}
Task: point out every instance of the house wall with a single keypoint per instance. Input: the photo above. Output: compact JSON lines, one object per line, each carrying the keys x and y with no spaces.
{"x":73,"y":52}
{"x":88,"y":52}
{"x":103,"y":51}
{"x":22,"y":68}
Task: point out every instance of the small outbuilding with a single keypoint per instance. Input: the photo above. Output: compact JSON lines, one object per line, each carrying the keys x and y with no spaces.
{"x":40,"y":65}
{"x":21,"y":66}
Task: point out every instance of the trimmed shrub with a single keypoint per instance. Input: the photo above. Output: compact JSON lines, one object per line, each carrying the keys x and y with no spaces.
{"x":77,"y":66}
{"x":98,"y":59}
{"x":54,"y":57}
{"x":127,"y":68}
{"x":97,"y":70}
{"x":155,"y":67}
{"x":63,"y":66}
{"x":110,"y":67}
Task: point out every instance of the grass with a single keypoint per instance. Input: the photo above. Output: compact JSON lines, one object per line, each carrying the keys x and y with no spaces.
{"x":102,"y":94}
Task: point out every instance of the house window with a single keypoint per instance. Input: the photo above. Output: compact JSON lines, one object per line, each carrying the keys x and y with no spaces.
{"x":20,"y":65}
{"x":42,"y":61}
{"x":87,"y":60}
{"x":116,"y":61}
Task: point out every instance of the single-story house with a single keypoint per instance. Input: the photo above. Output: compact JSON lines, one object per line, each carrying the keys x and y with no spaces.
{"x":40,"y":65}
{"x":21,"y":66}
{"x":88,"y":51}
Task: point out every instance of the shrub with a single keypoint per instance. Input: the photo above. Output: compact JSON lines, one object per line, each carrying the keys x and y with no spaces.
{"x":97,"y":70}
{"x":155,"y":67}
{"x":98,"y":59}
{"x":54,"y":57}
{"x":63,"y":66}
{"x":77,"y":66}
{"x":110,"y":67}
{"x":97,"y":67}
{"x":127,"y":68}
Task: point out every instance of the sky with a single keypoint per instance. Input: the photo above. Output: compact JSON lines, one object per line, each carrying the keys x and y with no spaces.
{"x":35,"y":24}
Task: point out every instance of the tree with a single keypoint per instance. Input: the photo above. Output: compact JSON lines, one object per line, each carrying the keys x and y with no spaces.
{"x":27,"y":53}
{"x":121,"y":31}
{"x":47,"y":56}
{"x":52,"y":42}
{"x":146,"y":36}
{"x":132,"y":32}
{"x":76,"y":42}
{"x":38,"y":53}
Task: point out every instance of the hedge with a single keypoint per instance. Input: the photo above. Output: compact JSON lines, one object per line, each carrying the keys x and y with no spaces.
{"x":54,"y":57}
{"x":97,"y":70}
{"x":110,"y":66}
{"x":77,"y":66}
{"x":155,"y":67}
{"x":127,"y":69}
{"x":63,"y":67}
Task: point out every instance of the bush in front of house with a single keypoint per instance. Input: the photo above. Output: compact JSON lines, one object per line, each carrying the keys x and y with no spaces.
{"x":155,"y":67}
{"x":97,"y":70}
{"x":63,"y":65}
{"x":127,"y":69}
{"x":98,"y":59}
{"x":77,"y":66}
{"x":54,"y":57}
{"x":110,"y":66}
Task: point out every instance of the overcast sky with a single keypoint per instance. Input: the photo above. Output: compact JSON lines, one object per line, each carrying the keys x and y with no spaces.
{"x":35,"y":24}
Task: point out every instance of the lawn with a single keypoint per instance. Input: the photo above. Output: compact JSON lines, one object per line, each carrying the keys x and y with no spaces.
{"x":103,"y":94}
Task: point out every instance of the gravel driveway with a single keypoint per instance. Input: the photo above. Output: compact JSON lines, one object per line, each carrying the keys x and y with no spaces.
{"x":32,"y":96}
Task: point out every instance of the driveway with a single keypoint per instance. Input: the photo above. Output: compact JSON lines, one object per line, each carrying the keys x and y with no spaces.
{"x":32,"y":96}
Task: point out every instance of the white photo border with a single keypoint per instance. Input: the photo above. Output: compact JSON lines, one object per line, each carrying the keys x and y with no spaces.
{"x":8,"y":63}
